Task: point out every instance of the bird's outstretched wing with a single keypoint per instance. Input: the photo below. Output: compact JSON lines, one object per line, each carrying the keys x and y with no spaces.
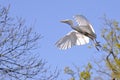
{"x":71,"y":39}
{"x":82,"y":21}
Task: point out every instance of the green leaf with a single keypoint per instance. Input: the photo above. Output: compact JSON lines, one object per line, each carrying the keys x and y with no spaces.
{"x":118,"y":45}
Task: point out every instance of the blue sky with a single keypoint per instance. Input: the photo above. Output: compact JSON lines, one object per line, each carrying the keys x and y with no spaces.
{"x":45,"y":16}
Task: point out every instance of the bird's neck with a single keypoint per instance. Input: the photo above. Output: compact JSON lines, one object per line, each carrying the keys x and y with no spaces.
{"x":72,"y":26}
{"x":76,"y":28}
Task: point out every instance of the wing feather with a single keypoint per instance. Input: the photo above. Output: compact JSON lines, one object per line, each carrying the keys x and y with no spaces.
{"x":82,"y":21}
{"x":71,"y":39}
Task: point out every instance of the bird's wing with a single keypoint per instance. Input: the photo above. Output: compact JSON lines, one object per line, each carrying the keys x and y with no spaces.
{"x":91,"y":28}
{"x":82,"y":21}
{"x":71,"y":39}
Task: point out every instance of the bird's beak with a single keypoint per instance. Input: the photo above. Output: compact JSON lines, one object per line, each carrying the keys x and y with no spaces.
{"x":64,"y":21}
{"x":67,"y":21}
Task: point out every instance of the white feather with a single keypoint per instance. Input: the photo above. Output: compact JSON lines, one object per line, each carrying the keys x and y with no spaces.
{"x":82,"y":21}
{"x":71,"y":39}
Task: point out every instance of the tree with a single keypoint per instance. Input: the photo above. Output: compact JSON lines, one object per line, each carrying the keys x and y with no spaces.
{"x":109,"y":65}
{"x":18,"y":60}
{"x":112,"y":47}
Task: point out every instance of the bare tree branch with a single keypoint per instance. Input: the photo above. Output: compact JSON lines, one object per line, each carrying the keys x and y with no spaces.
{"x":17,"y":51}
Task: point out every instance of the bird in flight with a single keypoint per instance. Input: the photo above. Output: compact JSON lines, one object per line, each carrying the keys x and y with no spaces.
{"x":80,"y":34}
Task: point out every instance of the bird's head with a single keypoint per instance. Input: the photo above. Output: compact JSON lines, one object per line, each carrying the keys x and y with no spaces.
{"x":67,"y":21}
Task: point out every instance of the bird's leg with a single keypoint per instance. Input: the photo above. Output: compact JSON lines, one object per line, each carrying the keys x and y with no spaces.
{"x":96,"y":44}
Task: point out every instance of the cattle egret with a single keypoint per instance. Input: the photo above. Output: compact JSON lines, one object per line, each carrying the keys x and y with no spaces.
{"x":80,"y":34}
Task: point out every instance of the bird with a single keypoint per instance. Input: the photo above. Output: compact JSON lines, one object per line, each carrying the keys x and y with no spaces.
{"x":80,"y":35}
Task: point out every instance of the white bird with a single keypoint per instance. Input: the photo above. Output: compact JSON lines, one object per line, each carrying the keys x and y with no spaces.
{"x":80,"y":34}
